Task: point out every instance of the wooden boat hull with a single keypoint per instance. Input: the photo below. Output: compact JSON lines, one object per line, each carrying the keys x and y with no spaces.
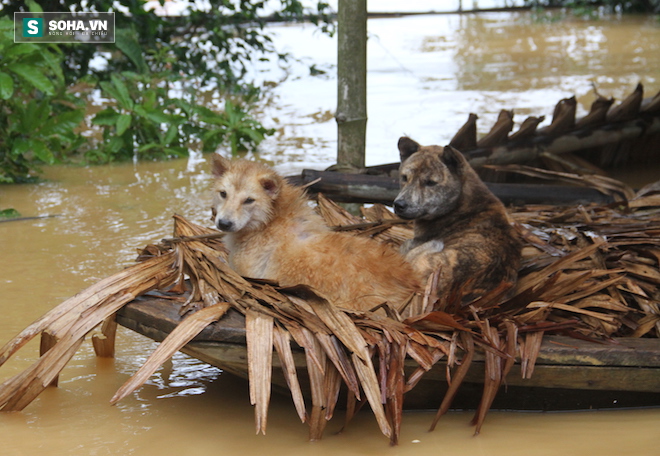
{"x":569,"y":374}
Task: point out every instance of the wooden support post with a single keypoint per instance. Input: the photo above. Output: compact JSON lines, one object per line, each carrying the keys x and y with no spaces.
{"x":351,"y":83}
{"x":104,"y":343}
{"x":47,"y":342}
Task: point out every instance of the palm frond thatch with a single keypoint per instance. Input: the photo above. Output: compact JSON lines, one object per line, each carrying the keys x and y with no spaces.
{"x":590,"y":272}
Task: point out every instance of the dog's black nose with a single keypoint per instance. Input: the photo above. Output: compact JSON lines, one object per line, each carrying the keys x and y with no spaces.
{"x":400,"y":207}
{"x":224,"y":225}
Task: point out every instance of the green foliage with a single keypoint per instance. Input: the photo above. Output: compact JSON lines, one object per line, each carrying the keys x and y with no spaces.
{"x":146,"y":122}
{"x":234,"y":127}
{"x":9,"y":214}
{"x":144,"y":117}
{"x":38,"y":117}
{"x":140,"y":123}
{"x":214,"y":40}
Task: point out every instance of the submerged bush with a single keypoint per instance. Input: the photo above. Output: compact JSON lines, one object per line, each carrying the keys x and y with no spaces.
{"x":148,"y":114}
{"x":147,"y":122}
{"x":38,"y":117}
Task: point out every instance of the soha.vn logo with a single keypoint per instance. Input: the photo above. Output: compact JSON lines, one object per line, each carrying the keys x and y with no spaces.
{"x":56,"y":27}
{"x":33,"y":27}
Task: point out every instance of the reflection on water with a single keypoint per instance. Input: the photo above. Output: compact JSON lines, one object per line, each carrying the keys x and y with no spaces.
{"x":568,"y":55}
{"x":426,"y":75}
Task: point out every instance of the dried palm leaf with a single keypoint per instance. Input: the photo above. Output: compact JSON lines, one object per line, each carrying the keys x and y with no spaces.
{"x":69,"y":322}
{"x":603,"y":184}
{"x":180,"y":336}
{"x":259,"y":334}
{"x":594,"y":273}
{"x":281,"y":341}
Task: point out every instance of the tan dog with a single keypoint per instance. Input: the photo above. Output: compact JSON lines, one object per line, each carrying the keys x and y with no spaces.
{"x":461,"y":228}
{"x":273,"y":233}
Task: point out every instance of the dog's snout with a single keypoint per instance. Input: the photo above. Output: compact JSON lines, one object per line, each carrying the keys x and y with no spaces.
{"x":405,"y":209}
{"x":400,"y":207}
{"x":225,"y":225}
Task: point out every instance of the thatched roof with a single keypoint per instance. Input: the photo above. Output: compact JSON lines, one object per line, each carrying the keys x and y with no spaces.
{"x":588,"y":271}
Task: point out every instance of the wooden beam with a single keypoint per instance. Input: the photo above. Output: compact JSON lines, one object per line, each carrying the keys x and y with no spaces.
{"x":365,"y":188}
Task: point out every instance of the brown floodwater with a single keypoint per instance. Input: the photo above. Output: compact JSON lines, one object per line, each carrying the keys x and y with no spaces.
{"x":427,"y":74}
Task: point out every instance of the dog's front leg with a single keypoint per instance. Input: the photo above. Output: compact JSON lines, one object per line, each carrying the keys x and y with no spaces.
{"x":407,"y":246}
{"x":425,"y":257}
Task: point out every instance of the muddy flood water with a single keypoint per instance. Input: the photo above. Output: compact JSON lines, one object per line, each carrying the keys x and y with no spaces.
{"x":426,"y":74}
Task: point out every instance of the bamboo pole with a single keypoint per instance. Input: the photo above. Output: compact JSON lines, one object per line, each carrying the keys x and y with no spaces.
{"x":351,"y":83}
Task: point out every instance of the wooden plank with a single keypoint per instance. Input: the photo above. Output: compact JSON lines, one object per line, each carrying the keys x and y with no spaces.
{"x":627,"y":365}
{"x":627,"y":352}
{"x":598,"y":376}
{"x":550,"y":388}
{"x":233,"y":357}
{"x":158,"y":316}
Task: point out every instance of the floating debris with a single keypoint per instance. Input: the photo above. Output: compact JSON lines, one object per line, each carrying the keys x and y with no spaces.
{"x":589,"y":272}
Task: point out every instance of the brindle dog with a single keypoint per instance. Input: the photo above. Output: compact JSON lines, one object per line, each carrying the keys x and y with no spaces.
{"x":461,"y":229}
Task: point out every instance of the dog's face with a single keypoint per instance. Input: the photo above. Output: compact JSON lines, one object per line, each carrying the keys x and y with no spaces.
{"x":431,"y":180}
{"x":243,"y":194}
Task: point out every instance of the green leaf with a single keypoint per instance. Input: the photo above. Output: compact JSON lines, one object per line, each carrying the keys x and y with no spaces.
{"x":231,"y":112}
{"x":117,"y":90}
{"x":126,"y":41}
{"x":210,"y":117}
{"x":255,"y":136}
{"x":140,"y":111}
{"x":32,"y":75}
{"x":204,"y":111}
{"x":185,"y":106}
{"x":106,"y":117}
{"x":19,"y":148}
{"x":21,"y":49}
{"x":33,"y":6}
{"x":6,"y":86}
{"x":210,"y":135}
{"x":115,"y":144}
{"x":147,"y":147}
{"x":9,"y":213}
{"x":123,"y":122}
{"x":172,"y":133}
{"x":7,"y":25}
{"x":177,"y":151}
{"x":63,"y":124}
{"x":122,"y":90}
{"x":36,"y":113}
{"x":54,"y":62}
{"x":158,"y":116}
{"x":41,"y":151}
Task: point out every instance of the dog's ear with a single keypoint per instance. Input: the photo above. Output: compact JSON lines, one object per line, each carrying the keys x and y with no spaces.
{"x":407,"y":147}
{"x":271,"y":184}
{"x":220,"y":165}
{"x":452,"y":158}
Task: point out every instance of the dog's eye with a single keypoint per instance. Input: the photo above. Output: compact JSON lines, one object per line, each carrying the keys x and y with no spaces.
{"x":430,"y":183}
{"x":404,"y":178}
{"x":248,"y":200}
{"x":223,"y":194}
